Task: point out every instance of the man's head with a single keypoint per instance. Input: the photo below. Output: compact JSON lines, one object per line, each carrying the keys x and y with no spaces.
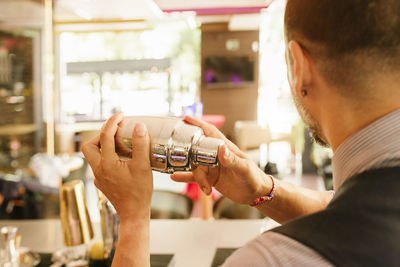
{"x":353,"y":44}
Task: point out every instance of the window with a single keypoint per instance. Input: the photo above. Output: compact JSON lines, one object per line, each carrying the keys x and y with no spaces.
{"x":152,"y":72}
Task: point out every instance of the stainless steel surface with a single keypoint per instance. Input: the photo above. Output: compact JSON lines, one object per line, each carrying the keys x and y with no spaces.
{"x":75,"y":220}
{"x":205,"y":151}
{"x":175,"y":145}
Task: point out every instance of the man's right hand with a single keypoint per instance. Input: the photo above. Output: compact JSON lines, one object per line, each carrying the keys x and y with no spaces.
{"x":236,"y":177}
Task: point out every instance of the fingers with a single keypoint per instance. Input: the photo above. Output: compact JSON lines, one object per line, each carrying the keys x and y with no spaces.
{"x":203,"y":175}
{"x":229,"y":159}
{"x":91,"y":151}
{"x":183,"y":177}
{"x":141,"y":146}
{"x":107,"y":136}
{"x":209,"y":129}
{"x":206,"y":177}
{"x":120,"y":146}
{"x":233,"y":148}
{"x":194,"y":121}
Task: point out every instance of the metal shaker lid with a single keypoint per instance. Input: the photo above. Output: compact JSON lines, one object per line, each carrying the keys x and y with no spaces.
{"x":205,"y":151}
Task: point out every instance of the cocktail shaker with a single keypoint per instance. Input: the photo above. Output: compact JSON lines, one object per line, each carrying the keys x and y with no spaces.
{"x":175,"y":145}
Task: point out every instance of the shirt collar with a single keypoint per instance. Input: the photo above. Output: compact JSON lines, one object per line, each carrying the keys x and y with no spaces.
{"x":368,"y":148}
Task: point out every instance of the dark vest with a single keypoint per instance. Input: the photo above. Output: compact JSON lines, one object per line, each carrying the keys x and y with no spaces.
{"x":361,"y":225}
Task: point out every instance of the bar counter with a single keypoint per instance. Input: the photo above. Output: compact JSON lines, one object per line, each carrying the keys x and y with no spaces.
{"x":193,"y":242}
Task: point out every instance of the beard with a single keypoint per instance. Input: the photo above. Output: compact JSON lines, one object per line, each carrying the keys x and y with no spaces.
{"x":311,"y":123}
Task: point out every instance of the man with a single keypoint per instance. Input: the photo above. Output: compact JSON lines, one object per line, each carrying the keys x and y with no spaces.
{"x":343,"y":61}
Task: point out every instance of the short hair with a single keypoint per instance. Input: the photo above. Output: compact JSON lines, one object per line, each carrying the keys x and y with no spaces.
{"x":349,"y":39}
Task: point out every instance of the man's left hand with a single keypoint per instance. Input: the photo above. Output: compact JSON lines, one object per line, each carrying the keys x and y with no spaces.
{"x":127,"y":184}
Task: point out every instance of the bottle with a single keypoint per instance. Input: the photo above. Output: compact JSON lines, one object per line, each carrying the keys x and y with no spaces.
{"x":175,"y":145}
{"x":75,"y":220}
{"x":109,"y":220}
{"x":9,"y":257}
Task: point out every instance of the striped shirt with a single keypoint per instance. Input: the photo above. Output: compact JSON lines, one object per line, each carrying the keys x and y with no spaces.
{"x":375,"y":146}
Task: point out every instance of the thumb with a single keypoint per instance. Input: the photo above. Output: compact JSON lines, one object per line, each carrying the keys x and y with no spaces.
{"x":140,"y":144}
{"x":229,"y":159}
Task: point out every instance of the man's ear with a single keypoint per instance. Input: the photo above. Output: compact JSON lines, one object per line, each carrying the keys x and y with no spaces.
{"x":299,"y":74}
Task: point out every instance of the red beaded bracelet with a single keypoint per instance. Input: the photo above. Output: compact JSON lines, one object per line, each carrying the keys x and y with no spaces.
{"x":266,"y":198}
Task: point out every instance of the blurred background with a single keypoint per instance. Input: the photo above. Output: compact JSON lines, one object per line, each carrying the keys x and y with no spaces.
{"x":68,"y":65}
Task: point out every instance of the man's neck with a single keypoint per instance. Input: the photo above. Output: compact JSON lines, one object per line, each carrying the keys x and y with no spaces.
{"x":375,"y":146}
{"x":343,"y":119}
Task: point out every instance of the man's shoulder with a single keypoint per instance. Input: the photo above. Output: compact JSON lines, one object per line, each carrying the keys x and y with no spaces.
{"x":274,"y":249}
{"x":359,"y":226}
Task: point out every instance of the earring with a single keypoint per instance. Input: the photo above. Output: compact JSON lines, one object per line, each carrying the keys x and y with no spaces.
{"x":303,"y":93}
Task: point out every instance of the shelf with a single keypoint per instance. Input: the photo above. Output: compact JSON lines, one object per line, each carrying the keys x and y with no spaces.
{"x":79,"y":126}
{"x":17,"y":129}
